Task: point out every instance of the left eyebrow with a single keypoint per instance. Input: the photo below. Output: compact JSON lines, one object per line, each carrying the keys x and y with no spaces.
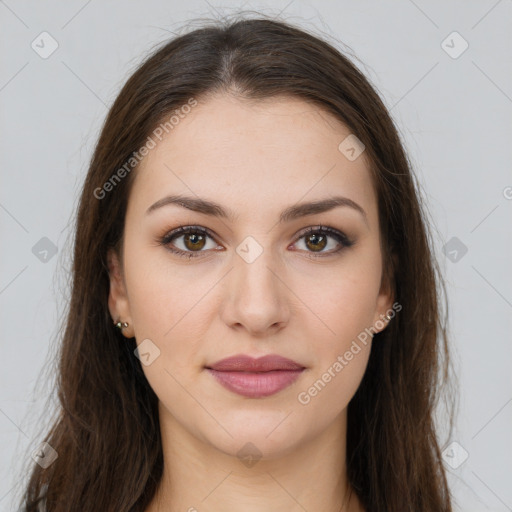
{"x":291,"y":213}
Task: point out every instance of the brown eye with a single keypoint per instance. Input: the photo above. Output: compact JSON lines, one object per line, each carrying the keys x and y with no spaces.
{"x":188,"y":241}
{"x":194,"y":242}
{"x":316,"y":242}
{"x":316,"y":239}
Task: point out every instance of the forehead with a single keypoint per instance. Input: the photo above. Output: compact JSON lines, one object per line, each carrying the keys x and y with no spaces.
{"x":252,"y":155}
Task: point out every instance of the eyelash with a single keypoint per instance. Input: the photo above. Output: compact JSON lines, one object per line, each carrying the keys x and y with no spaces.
{"x":340,"y":237}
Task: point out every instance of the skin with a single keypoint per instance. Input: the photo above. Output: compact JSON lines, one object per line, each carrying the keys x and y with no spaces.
{"x":255,"y":158}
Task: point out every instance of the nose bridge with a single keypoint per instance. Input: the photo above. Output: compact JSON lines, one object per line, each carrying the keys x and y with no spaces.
{"x":253,"y":266}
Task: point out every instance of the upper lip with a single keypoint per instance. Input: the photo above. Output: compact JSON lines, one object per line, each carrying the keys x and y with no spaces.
{"x":244,"y":363}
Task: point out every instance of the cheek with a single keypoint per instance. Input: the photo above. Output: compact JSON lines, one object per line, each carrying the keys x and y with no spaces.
{"x":352,"y":307}
{"x":339,"y":333}
{"x":340,"y":355}
{"x":328,"y":391}
{"x":167,"y":307}
{"x":164,"y":297}
{"x":341,"y":299}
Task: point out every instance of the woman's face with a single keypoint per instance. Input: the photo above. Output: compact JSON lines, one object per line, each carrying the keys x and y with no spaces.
{"x":255,"y":284}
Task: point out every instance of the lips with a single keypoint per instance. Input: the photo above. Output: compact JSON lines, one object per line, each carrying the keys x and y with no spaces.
{"x":256,"y":378}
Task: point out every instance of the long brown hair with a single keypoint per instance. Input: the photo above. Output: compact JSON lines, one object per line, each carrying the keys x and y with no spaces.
{"x":106,"y":432}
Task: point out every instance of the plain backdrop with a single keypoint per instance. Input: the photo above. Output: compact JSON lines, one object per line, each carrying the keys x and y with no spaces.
{"x":442,"y":68}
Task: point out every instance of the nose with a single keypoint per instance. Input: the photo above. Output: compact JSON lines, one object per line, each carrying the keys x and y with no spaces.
{"x":255,"y":297}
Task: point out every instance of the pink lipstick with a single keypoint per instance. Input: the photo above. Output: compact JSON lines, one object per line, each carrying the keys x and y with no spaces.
{"x":256,"y":378}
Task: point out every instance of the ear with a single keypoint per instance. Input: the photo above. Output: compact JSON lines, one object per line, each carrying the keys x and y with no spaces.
{"x":385,"y":306}
{"x":118,"y":303}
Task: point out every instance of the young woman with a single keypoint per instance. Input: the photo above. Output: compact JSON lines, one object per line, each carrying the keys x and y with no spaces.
{"x":254,"y":322}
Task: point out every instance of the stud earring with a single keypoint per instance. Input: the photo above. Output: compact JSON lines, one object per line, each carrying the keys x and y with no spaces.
{"x":121,"y":325}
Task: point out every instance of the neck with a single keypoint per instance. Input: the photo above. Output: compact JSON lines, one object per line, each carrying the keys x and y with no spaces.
{"x":198,"y":477}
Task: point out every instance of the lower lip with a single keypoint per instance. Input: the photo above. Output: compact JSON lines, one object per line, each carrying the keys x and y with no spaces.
{"x":256,"y":385}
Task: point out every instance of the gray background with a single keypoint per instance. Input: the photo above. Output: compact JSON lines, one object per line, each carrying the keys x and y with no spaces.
{"x":454,"y":117}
